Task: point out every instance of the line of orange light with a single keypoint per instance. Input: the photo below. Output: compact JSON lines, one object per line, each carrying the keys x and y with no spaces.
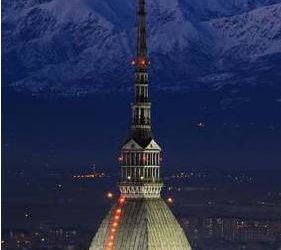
{"x":116,"y":216}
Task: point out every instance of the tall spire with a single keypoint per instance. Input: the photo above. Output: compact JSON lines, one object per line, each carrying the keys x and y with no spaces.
{"x":141,"y":118}
{"x":141,"y":37}
{"x":141,"y":59}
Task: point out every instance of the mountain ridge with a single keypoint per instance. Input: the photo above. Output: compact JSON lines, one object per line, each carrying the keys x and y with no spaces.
{"x":76,"y":47}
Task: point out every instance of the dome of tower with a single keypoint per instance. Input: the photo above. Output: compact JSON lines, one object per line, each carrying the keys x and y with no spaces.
{"x":142,"y":224}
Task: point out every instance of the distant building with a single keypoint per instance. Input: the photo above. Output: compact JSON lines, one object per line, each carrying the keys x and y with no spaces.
{"x":232,"y":231}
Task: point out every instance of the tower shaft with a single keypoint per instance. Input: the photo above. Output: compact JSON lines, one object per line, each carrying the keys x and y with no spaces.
{"x":141,"y":108}
{"x":141,"y":36}
{"x":140,"y":155}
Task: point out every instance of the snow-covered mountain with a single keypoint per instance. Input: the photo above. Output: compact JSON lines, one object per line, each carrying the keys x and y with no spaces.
{"x":78,"y":46}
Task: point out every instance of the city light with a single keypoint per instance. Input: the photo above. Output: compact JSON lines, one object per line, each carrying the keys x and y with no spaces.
{"x":115,"y":222}
{"x":200,"y":125}
{"x":109,"y":195}
{"x":170,"y":200}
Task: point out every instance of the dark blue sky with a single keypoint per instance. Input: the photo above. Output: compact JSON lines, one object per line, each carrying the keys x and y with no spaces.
{"x":58,"y":133}
{"x":67,"y":83}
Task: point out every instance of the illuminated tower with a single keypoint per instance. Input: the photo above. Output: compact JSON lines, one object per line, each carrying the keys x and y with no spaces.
{"x":140,"y":219}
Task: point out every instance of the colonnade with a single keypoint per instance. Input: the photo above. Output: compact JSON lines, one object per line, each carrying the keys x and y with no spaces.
{"x":140,"y":173}
{"x":140,"y":159}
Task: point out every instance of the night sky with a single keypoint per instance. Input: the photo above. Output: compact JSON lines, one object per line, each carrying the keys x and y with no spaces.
{"x":63,"y":134}
{"x":67,"y":86}
{"x":67,"y":89}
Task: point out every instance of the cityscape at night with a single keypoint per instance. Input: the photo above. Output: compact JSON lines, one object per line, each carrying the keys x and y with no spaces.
{"x":230,"y":210}
{"x":141,"y":125}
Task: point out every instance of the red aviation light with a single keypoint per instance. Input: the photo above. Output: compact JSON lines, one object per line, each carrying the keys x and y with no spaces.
{"x":141,"y":61}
